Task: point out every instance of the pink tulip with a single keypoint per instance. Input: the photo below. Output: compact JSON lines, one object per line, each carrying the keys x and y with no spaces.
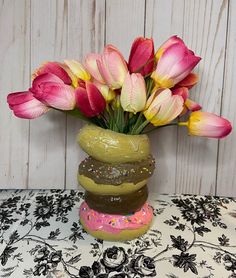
{"x":141,"y":58}
{"x":89,"y":100}
{"x":53,"y":68}
{"x":162,"y":107}
{"x":24,"y":105}
{"x":189,"y":104}
{"x":207,"y":125}
{"x":90,"y":64}
{"x":133,"y":93}
{"x":50,"y":90}
{"x":112,"y":67}
{"x":176,"y":62}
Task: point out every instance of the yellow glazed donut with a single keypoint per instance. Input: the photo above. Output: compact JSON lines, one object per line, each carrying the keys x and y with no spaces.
{"x":112,"y":147}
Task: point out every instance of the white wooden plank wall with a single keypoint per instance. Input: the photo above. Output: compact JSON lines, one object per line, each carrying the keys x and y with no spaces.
{"x":43,"y":153}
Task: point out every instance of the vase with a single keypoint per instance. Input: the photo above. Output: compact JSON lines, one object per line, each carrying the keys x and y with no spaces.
{"x":114,"y":176}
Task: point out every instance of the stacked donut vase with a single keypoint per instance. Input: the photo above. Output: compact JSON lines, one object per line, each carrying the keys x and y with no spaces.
{"x":114,"y":176}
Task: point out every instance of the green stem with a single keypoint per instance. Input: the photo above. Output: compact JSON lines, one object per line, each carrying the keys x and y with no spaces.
{"x":76,"y":113}
{"x":140,"y":128}
{"x":157,"y":127}
{"x":137,"y":124}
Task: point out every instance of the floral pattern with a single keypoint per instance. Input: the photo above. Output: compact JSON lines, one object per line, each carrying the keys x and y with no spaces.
{"x":41,"y":236}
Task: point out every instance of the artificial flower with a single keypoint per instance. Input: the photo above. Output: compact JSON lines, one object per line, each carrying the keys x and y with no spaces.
{"x":112,"y":67}
{"x":141,"y":58}
{"x":50,"y":90}
{"x":162,"y":107}
{"x":176,"y":62}
{"x":207,"y":125}
{"x":89,"y":100}
{"x":25,"y":105}
{"x":133,"y":93}
{"x":78,"y":69}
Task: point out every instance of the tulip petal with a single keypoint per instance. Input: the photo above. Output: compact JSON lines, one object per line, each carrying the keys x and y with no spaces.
{"x":164,"y":108}
{"x":92,"y":67}
{"x":78,"y":69}
{"x":106,"y":92}
{"x":170,"y":57}
{"x":59,"y":96}
{"x":90,"y":101}
{"x":96,"y":100}
{"x":82,"y":102}
{"x":172,"y":40}
{"x":169,"y":111}
{"x":184,"y":66}
{"x":189,"y":81}
{"x":46,"y":77}
{"x":25,"y":106}
{"x":53,"y":68}
{"x":183,"y":92}
{"x":192,"y":105}
{"x":112,"y":67}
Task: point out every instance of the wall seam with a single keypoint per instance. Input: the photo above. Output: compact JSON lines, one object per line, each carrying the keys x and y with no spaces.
{"x":222,"y":90}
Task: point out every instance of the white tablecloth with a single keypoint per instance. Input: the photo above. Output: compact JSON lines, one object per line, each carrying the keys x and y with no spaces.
{"x":41,"y":236}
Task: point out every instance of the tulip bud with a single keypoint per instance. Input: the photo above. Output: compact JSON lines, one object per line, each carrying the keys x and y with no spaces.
{"x":25,"y":106}
{"x":50,"y":90}
{"x":90,"y":100}
{"x":141,"y":58}
{"x":207,"y":125}
{"x":112,"y":67}
{"x":133,"y":93}
{"x":176,"y":62}
{"x":78,"y":69}
{"x":162,"y":107}
{"x":53,"y":68}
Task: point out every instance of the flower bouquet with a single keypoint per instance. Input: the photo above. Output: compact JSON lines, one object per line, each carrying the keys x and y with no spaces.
{"x":121,"y":102}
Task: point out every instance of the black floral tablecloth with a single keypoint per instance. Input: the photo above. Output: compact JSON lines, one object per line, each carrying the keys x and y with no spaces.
{"x":41,"y":236}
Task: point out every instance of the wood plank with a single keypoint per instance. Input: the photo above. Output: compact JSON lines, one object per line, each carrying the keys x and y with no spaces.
{"x":124,"y":22}
{"x":162,"y":21}
{"x":205,"y":33}
{"x":14,"y":60}
{"x":47,"y":134}
{"x":226,"y":178}
{"x":86,"y":29}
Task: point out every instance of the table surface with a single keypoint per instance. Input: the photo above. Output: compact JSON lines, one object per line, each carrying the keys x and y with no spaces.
{"x":40,"y":235}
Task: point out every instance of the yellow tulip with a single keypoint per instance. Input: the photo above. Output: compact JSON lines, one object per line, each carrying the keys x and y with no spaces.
{"x":78,"y":69}
{"x":162,"y":107}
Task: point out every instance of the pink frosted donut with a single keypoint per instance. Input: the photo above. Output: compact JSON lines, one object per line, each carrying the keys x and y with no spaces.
{"x":110,"y":226}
